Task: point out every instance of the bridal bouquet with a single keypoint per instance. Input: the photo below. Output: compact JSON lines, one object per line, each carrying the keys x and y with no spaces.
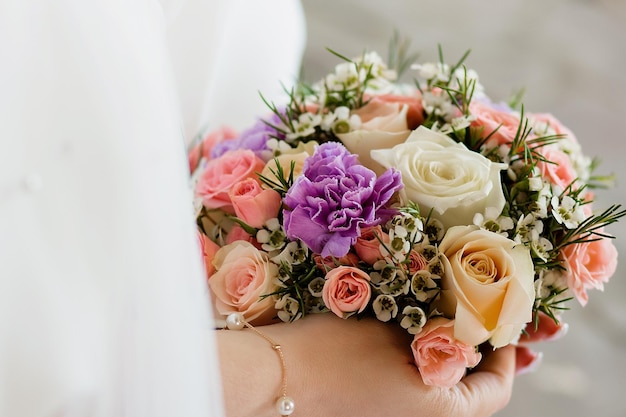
{"x":463,"y":220}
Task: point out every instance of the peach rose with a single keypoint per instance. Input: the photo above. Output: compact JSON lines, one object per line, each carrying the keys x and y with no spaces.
{"x":285,"y":161}
{"x":243,"y":276}
{"x":203,"y":149}
{"x":487,"y":286}
{"x":499,"y":125}
{"x":367,"y":246}
{"x":208,"y":249}
{"x":346,"y":291}
{"x":589,"y":265}
{"x":253,"y":204}
{"x":222,"y":173}
{"x":415,"y":112}
{"x":384,"y":125}
{"x":442,"y":359}
{"x":560,"y":171}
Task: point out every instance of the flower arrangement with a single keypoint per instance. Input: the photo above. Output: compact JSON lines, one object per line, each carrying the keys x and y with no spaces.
{"x":465,"y":221}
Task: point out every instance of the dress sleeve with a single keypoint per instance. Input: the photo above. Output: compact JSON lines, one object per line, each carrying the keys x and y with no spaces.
{"x":103,"y":304}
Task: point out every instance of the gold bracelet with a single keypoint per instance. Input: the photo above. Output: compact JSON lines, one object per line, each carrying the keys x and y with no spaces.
{"x":284,"y":404}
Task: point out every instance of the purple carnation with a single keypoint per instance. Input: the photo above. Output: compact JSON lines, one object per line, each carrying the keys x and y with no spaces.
{"x":254,"y":139}
{"x":336,"y":197}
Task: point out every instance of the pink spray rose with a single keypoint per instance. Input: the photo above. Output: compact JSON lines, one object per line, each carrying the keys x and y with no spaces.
{"x":441,"y":359}
{"x":489,"y":119}
{"x":547,"y":123}
{"x":222,"y":173}
{"x":203,"y":149}
{"x":243,"y":276}
{"x":560,"y":171}
{"x":589,"y":265}
{"x":415,"y":111}
{"x":367,"y":246}
{"x":417,"y":262}
{"x":346,"y":291}
{"x":253,"y":204}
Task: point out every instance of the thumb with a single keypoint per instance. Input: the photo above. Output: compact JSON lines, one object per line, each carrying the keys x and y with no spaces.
{"x":488,"y":388}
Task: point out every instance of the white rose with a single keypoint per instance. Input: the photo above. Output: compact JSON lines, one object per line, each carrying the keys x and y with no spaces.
{"x":487,"y":286}
{"x":443,"y":175}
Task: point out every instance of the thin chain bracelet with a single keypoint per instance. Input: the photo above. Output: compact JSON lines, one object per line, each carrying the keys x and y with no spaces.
{"x":284,"y":404}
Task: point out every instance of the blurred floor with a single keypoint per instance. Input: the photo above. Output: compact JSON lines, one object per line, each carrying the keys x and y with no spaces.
{"x":570,"y":57}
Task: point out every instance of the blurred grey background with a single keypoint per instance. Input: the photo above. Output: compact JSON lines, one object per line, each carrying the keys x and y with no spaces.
{"x":570,"y":57}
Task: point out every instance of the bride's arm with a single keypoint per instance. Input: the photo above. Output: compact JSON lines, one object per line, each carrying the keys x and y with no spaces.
{"x":346,"y":368}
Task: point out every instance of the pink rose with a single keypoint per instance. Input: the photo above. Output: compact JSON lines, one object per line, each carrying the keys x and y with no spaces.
{"x":441,"y":359}
{"x":203,"y":149}
{"x":546,"y":123}
{"x":560,"y":171}
{"x":243,"y":276}
{"x":367,"y":246}
{"x":346,"y":291}
{"x":253,"y":204}
{"x":589,"y":265}
{"x":500,"y":126}
{"x":208,"y":249}
{"x":222,"y":173}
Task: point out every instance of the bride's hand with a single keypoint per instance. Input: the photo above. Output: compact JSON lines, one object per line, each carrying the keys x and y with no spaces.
{"x":346,"y":368}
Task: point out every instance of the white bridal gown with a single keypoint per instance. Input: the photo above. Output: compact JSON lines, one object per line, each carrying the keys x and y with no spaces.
{"x":103,"y":307}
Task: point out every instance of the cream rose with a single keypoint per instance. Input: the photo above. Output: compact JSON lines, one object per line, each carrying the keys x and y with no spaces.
{"x":384,"y":124}
{"x":243,"y":275}
{"x":487,"y":287}
{"x":441,"y":174}
{"x":285,"y":161}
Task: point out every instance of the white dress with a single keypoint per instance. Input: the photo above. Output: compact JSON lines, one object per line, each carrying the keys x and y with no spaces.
{"x":103,"y":306}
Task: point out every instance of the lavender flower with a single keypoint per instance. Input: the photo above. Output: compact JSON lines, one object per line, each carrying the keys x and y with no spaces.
{"x":334,"y":198}
{"x":254,"y":138}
